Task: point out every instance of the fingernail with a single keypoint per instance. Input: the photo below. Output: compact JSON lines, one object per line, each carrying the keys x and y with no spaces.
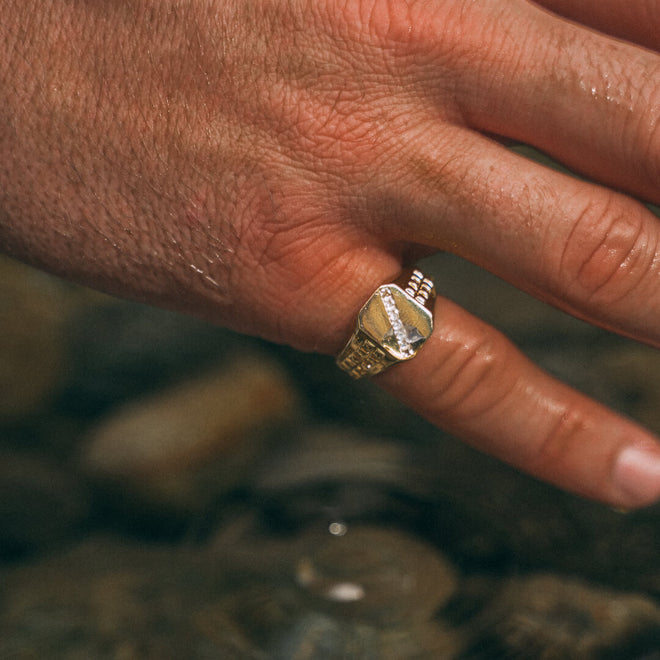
{"x":637,"y":474}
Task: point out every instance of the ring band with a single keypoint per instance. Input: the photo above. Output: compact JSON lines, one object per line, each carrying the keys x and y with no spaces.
{"x":391,"y":326}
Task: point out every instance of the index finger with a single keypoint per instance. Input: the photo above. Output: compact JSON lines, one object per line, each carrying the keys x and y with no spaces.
{"x":470,"y":380}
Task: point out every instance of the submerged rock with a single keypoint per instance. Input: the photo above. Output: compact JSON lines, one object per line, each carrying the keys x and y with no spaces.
{"x":351,"y":592}
{"x":324,"y":473}
{"x":554,"y":618}
{"x":377,"y":575}
{"x":319,"y":637}
{"x":180,"y":449}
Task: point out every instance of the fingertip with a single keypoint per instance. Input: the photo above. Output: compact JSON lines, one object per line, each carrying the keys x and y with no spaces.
{"x":636,"y":474}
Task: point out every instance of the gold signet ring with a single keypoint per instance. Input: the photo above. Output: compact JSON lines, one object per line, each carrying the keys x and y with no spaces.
{"x":391,"y":326}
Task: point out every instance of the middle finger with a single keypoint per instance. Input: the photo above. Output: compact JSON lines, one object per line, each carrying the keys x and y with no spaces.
{"x":589,"y":100}
{"x":583,"y":247}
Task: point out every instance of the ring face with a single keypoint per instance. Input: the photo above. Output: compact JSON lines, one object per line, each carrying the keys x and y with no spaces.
{"x":396,"y":322}
{"x":391,"y":326}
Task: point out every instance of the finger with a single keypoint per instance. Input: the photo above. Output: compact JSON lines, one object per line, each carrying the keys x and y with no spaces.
{"x":471,"y":381}
{"x":590,"y":101}
{"x":637,"y":21}
{"x":591,"y":251}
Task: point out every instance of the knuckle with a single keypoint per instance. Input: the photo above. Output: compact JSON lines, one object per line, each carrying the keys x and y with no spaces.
{"x":646,"y":130}
{"x":386,"y":23}
{"x":652,"y":159}
{"x":555,"y":446}
{"x":471,"y":377}
{"x":404,"y":32}
{"x":607,"y":253}
{"x":388,"y":20}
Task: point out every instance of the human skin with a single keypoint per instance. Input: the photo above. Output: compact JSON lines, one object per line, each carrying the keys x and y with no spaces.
{"x":267,"y":164}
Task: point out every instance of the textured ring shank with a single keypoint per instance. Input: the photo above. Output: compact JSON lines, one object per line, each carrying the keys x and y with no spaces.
{"x":363,"y":357}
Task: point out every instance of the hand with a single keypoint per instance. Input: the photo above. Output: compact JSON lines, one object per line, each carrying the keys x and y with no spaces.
{"x":267,"y":164}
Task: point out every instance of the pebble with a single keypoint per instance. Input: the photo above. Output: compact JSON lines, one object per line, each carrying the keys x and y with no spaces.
{"x":323,"y":473}
{"x":377,"y":575}
{"x":554,"y":618}
{"x":324,"y":454}
{"x":182,"y":448}
{"x":349,"y":592}
{"x":319,"y":637}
